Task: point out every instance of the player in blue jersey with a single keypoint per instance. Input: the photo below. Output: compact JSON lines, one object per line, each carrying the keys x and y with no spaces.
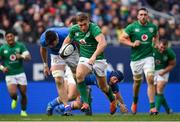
{"x":52,"y":39}
{"x":113,"y":78}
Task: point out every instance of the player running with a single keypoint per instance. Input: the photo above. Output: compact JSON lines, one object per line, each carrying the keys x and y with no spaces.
{"x":13,"y":54}
{"x":140,"y":36}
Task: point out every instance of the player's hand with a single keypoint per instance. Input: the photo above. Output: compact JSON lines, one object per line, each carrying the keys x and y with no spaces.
{"x":92,"y":60}
{"x":161,"y":73}
{"x":46,"y":71}
{"x":123,"y":108}
{"x":136,"y":43}
{"x":5,"y":70}
{"x":18,"y":56}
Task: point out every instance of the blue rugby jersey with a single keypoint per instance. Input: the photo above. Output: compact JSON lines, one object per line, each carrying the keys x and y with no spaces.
{"x":62,"y":33}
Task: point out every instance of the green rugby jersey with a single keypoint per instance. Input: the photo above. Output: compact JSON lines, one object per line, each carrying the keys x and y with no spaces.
{"x":7,"y":54}
{"x":162,"y":59}
{"x":145,"y":34}
{"x":87,"y":49}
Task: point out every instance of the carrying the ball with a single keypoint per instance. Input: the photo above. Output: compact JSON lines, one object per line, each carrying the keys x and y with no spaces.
{"x":67,"y":49}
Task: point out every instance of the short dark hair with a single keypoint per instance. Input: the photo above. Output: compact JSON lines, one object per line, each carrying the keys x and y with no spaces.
{"x":81,"y":17}
{"x":117,"y":74}
{"x":164,"y":41}
{"x":50,"y":36}
{"x":144,"y":9}
{"x":10,"y":31}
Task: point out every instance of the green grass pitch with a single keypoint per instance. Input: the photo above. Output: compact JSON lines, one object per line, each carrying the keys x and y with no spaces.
{"x":95,"y":117}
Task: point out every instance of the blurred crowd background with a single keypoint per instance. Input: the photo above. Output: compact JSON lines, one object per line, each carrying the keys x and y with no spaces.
{"x":29,"y":18}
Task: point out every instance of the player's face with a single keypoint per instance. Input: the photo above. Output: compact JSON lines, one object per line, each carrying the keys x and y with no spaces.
{"x":53,"y":43}
{"x":113,"y":80}
{"x":10,"y":38}
{"x":143,"y":16}
{"x":84,"y":25}
{"x":162,"y":47}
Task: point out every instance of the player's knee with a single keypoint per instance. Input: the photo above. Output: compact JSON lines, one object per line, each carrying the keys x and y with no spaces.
{"x":150,"y":77}
{"x":58,"y":73}
{"x":137,"y":78}
{"x":79,"y":77}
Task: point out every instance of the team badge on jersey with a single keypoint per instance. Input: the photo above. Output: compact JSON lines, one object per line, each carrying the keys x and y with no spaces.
{"x":12,"y":57}
{"x":151,"y":30}
{"x":144,"y":37}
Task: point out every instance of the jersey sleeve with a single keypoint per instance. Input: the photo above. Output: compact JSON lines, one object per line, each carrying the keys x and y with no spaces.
{"x":171,"y":54}
{"x":155,"y":30}
{"x":1,"y":52}
{"x":42,"y":40}
{"x":128,"y":29}
{"x":72,"y":31}
{"x":95,"y":31}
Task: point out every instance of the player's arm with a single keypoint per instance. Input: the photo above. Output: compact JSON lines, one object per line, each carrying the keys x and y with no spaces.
{"x":3,"y":69}
{"x":171,"y":65}
{"x":124,"y":39}
{"x":123,"y":107}
{"x":100,"y":47}
{"x":67,"y":40}
{"x":25,"y":56}
{"x":43,"y":52}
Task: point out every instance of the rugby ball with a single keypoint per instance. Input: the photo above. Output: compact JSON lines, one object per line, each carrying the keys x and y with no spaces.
{"x":66,"y":50}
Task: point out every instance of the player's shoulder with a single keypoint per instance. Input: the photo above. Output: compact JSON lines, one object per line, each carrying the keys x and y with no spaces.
{"x":57,"y":29}
{"x":74,"y":27}
{"x":151,"y":24}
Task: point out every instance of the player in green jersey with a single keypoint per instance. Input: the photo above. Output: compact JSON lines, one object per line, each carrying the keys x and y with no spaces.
{"x":139,"y":36}
{"x":12,"y":55}
{"x":165,"y":61}
{"x":92,"y":44}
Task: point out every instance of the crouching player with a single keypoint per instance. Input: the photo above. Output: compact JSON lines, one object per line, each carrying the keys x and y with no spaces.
{"x":113,"y":78}
{"x":165,"y":61}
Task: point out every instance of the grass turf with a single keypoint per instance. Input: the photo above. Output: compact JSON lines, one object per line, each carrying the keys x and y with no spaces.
{"x":96,"y":117}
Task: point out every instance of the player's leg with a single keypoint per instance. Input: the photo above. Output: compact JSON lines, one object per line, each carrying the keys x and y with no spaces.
{"x":12,"y":89}
{"x":57,"y":68}
{"x":136,"y":68}
{"x":160,"y":99}
{"x":82,"y":70}
{"x":100,"y":68}
{"x":149,"y":73}
{"x":70,"y":83}
{"x":22,"y":85}
{"x":22,"y":89}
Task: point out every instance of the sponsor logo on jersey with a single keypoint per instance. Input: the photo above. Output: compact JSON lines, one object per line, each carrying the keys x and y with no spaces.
{"x":136,"y":30}
{"x":12,"y":57}
{"x":151,"y":30}
{"x":144,"y":37}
